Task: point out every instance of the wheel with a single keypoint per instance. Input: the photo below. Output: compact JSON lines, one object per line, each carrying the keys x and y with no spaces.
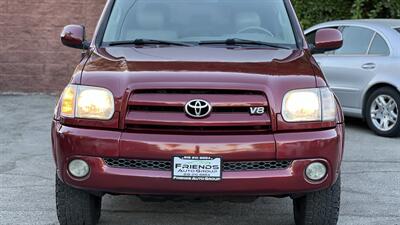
{"x":382,"y":112}
{"x":318,"y":208}
{"x":76,"y":207}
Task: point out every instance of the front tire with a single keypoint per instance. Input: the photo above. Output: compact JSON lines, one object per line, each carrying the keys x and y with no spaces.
{"x":382,"y":112}
{"x":318,"y":208}
{"x":76,"y":207}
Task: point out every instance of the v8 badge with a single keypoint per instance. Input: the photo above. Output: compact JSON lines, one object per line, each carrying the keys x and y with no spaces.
{"x":257,"y":111}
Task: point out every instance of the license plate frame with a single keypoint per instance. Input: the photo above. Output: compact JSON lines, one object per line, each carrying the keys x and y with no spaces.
{"x":197,"y":168}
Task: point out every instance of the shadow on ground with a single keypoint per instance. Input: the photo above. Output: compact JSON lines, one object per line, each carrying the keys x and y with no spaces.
{"x":126,"y":209}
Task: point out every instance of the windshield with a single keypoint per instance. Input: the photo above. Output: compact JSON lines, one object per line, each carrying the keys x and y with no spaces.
{"x":200,"y":21}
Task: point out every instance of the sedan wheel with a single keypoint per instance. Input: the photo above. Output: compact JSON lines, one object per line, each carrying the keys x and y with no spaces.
{"x":383,"y":115}
{"x":384,"y":112}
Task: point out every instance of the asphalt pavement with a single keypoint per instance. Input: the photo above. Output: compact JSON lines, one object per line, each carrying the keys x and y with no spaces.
{"x":370,"y":196}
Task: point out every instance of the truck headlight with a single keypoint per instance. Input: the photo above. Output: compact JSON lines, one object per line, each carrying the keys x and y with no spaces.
{"x":87,"y":102}
{"x":306,"y":105}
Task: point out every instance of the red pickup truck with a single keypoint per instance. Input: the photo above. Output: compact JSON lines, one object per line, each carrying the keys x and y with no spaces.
{"x":198,"y":99}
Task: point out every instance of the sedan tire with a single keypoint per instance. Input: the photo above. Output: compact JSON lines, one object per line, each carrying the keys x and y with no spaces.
{"x":382,"y":112}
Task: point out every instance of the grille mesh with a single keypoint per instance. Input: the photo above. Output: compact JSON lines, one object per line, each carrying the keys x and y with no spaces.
{"x":253,"y":166}
{"x":138,"y":164}
{"x":166,"y":165}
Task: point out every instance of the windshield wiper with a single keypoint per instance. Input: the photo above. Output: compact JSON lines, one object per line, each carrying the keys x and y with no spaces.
{"x":238,"y":41}
{"x":147,"y":42}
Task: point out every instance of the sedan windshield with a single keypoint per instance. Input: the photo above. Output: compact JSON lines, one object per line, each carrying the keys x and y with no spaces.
{"x":194,"y":21}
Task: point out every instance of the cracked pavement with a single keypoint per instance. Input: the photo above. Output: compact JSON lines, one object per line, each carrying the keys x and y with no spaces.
{"x":370,"y":191}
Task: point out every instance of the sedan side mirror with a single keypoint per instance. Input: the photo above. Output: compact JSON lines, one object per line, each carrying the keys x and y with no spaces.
{"x":74,"y":36}
{"x":327,"y":40}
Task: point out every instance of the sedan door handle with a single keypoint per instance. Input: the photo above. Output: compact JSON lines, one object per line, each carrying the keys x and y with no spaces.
{"x":368,"y":66}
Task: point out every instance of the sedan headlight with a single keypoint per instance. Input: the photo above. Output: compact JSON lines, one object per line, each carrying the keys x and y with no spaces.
{"x":87,"y":102}
{"x":306,"y":105}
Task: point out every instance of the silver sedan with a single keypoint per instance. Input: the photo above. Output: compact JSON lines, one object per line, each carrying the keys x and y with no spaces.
{"x":365,"y":72}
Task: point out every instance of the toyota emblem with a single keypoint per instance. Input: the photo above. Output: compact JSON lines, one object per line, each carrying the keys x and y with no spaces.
{"x":198,"y":108}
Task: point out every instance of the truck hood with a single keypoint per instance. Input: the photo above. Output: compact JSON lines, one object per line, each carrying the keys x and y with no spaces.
{"x":262,"y":61}
{"x":272,"y":71}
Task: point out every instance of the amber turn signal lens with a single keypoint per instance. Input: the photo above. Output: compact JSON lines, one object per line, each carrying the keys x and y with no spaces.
{"x":68,"y":101}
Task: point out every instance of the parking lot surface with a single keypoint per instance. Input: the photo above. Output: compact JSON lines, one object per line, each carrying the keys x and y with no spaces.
{"x":370,"y":176}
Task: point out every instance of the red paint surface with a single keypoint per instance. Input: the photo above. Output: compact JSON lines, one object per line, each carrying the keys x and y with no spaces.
{"x":328,"y":39}
{"x":73,"y":36}
{"x":302,"y":147}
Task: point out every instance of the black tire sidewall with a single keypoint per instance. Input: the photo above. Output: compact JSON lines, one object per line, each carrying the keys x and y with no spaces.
{"x":395,"y":131}
{"x":320,"y":207}
{"x":76,"y":206}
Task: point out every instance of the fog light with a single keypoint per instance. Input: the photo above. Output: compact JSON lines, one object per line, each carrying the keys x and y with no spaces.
{"x":78,"y":168}
{"x":316,"y":171}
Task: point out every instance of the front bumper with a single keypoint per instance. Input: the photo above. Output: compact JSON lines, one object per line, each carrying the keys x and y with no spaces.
{"x":94,"y":145}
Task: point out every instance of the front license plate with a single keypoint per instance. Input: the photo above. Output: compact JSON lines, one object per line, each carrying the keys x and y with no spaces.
{"x":196,"y":168}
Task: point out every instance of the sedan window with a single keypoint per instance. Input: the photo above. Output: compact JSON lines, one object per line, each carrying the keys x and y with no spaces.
{"x":356,"y":41}
{"x":379,"y":46}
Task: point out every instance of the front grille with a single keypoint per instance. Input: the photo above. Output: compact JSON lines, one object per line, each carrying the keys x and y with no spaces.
{"x":209,"y":130}
{"x":198,"y":91}
{"x":163,"y":110}
{"x":227,"y":166}
{"x":181,"y":109}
